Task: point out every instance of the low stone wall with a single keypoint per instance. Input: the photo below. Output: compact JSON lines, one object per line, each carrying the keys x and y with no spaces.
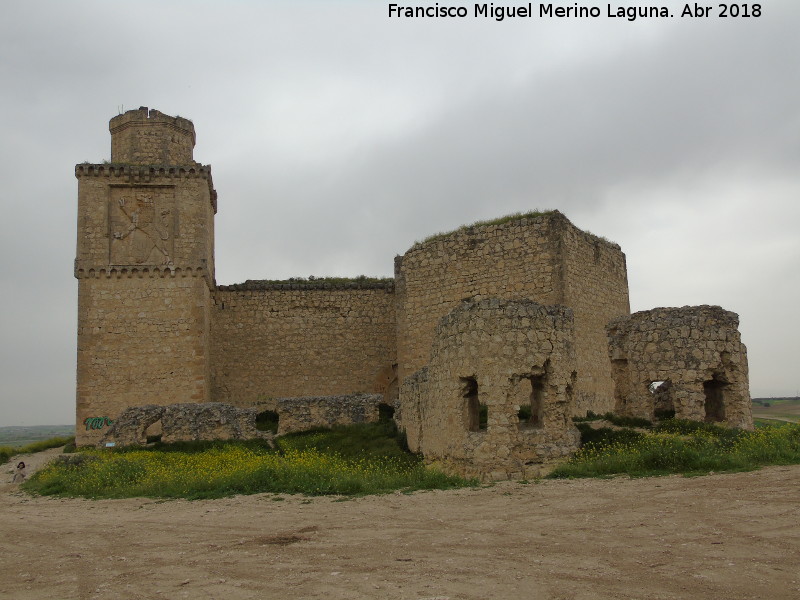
{"x":184,"y":422}
{"x":299,"y":414}
{"x":513,"y":361}
{"x":696,"y":351}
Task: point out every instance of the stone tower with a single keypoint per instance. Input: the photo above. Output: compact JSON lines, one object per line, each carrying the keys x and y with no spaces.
{"x":145,"y":270}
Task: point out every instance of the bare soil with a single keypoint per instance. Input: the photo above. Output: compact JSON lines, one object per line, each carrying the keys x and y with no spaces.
{"x":728,"y":536}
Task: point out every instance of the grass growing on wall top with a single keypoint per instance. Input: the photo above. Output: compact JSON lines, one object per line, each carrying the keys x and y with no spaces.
{"x":498,"y":221}
{"x":312,"y":280}
{"x":356,"y":460}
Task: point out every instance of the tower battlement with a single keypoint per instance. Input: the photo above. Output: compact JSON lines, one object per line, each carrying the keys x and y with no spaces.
{"x":149,"y":137}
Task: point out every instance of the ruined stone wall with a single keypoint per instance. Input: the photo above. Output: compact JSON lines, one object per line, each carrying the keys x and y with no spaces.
{"x":544,"y":258}
{"x":282,"y":340}
{"x":695,"y":350}
{"x":300,"y":414}
{"x":596,"y":289}
{"x":515,"y":260}
{"x":507,"y":356}
{"x":183,"y":423}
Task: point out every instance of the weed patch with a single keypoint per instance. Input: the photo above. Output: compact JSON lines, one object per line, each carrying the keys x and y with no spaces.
{"x":349,"y":461}
{"x":7,"y":452}
{"x":685,"y":447}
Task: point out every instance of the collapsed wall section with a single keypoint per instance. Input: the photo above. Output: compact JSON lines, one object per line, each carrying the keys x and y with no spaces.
{"x":688,"y":360}
{"x":183,"y":423}
{"x":495,"y":400}
{"x":544,"y":258}
{"x":301,"y":414}
{"x":271,"y":340}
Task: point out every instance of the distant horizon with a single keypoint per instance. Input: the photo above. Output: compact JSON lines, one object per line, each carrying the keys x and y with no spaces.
{"x":752,"y":399}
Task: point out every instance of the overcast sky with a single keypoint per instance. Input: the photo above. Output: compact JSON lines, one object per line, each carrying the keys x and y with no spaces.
{"x":338,"y":137}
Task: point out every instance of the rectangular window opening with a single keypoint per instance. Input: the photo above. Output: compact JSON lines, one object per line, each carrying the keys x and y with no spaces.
{"x":714,"y":391}
{"x":477,"y":414}
{"x":531,"y":414}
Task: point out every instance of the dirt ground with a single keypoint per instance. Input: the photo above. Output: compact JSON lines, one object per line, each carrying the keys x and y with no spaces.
{"x":730,"y":536}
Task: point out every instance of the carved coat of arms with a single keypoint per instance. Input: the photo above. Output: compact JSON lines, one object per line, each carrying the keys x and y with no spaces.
{"x":142,"y":227}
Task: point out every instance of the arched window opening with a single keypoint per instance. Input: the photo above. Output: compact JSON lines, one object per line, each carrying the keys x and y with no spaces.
{"x":267,"y":421}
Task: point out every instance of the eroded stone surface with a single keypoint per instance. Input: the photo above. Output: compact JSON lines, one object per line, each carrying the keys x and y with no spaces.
{"x":298,"y":414}
{"x":696,"y":351}
{"x":183,"y":423}
{"x":154,"y":329}
{"x":505,"y":355}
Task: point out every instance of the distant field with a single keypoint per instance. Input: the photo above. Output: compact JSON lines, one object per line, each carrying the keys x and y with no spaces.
{"x":23,"y":435}
{"x":777,"y":409}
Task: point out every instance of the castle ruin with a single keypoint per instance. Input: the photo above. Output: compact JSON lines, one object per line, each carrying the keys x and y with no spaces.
{"x":512,"y":315}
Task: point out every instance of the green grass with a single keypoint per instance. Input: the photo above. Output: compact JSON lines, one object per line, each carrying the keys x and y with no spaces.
{"x":682,"y":447}
{"x":22,"y":435}
{"x":354,"y":460}
{"x":312,"y":280}
{"x":499,"y":221}
{"x":7,"y":452}
{"x":619,"y":421}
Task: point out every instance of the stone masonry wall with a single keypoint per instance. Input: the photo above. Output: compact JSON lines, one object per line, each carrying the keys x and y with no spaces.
{"x":300,"y":414}
{"x":545,"y":258}
{"x":145,"y":267}
{"x":182,"y":423}
{"x":596,"y":289}
{"x":141,"y":340}
{"x":505,"y":355}
{"x":149,"y":137}
{"x":139,"y":217}
{"x":695,"y":350}
{"x":282,"y":340}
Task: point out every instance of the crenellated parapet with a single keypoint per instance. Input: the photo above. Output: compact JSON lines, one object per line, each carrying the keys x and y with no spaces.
{"x":148,"y":272}
{"x":148,"y":174}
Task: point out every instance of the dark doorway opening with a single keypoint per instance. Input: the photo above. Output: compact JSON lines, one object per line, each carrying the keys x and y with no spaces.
{"x":531,"y":415}
{"x":714,"y":391}
{"x":477,"y":413}
{"x":267,"y":421}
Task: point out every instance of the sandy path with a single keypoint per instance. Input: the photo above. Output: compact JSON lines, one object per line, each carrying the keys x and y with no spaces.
{"x":732,"y":536}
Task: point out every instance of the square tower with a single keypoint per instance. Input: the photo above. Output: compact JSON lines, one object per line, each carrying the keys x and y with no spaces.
{"x":145,"y":270}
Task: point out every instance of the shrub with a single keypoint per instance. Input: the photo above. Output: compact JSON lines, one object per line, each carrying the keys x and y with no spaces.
{"x":605,"y":436}
{"x":590,"y":416}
